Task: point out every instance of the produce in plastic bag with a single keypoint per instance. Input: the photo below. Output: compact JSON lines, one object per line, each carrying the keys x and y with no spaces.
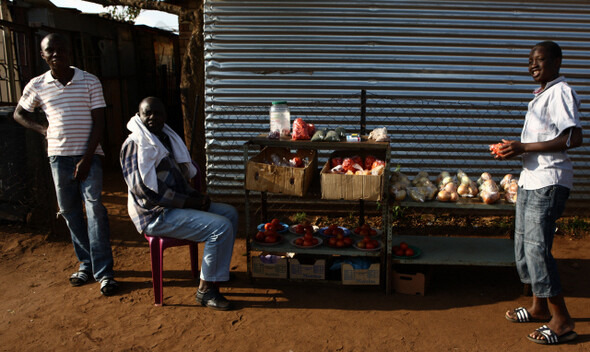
{"x":415,"y":194}
{"x":319,"y":135}
{"x":336,"y":161}
{"x":466,"y":187}
{"x":488,"y":190}
{"x":379,"y":135}
{"x":510,"y":186}
{"x":300,"y":130}
{"x":332,"y":136}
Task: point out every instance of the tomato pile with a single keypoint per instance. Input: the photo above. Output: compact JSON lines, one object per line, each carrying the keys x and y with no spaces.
{"x":367,"y":243}
{"x":403,"y":250}
{"x":355,"y":165}
{"x":306,"y":241}
{"x":365,"y":230}
{"x":269,"y":236}
{"x":303,"y":228}
{"x":334,"y":230}
{"x":274,"y":224}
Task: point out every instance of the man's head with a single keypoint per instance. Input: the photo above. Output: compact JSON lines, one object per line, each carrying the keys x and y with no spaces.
{"x":153,"y":114}
{"x":544,"y":62}
{"x":55,"y":51}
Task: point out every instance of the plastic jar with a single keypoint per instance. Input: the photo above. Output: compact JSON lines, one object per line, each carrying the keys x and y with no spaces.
{"x":280,"y":119}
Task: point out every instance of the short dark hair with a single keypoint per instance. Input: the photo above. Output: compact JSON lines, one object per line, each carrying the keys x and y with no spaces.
{"x":552,"y":48}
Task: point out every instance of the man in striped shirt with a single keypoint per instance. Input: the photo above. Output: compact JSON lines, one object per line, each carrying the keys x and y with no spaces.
{"x":73,"y":102}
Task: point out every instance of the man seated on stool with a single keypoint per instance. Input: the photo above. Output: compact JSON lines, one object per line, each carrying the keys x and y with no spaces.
{"x":157,"y":168}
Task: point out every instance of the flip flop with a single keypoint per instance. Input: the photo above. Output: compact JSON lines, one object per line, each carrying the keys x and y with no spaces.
{"x":551,"y":337}
{"x":79,"y":278}
{"x":523,"y":316}
{"x":108,"y":286}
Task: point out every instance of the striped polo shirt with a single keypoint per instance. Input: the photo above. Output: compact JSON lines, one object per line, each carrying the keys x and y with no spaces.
{"x":67,"y":109}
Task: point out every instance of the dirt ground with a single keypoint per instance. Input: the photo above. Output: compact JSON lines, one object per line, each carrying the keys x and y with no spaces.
{"x":463,"y":309}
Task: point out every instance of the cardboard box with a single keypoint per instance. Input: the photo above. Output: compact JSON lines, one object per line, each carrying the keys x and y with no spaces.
{"x":352,"y":276}
{"x":351,"y":187}
{"x":411,"y":284}
{"x":315,"y":271}
{"x":276,"y":270}
{"x":262,"y":175}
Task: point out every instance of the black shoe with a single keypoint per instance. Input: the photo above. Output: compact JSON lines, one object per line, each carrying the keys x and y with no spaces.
{"x":213,"y":299}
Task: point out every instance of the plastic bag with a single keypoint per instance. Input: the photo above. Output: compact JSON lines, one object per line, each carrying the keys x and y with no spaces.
{"x":379,"y":135}
{"x":319,"y":135}
{"x":300,"y":130}
{"x":332,"y":136}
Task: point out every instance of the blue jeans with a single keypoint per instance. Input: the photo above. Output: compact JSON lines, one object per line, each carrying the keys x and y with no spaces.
{"x":536,"y":213}
{"x":91,"y":238}
{"x":216,"y":227}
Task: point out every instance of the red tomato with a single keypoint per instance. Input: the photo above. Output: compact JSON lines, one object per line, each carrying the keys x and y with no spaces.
{"x":340,"y":243}
{"x":364,"y":232}
{"x":400,"y":253}
{"x":377,"y":163}
{"x":347,"y":164}
{"x":357,"y":160}
{"x":270,"y":239}
{"x":299,"y":241}
{"x":268,"y":226}
{"x":369,"y":160}
{"x":314,"y":241}
{"x":357,"y":230}
{"x":335,"y":162}
{"x":307,"y":243}
{"x":360,"y":244}
{"x":403,"y":246}
{"x":347,"y":241}
{"x":369,"y":245}
{"x":299,"y":229}
{"x":328,"y":232}
{"x":373,"y":232}
{"x":260,"y":236}
{"x":332,"y":241}
{"x":409,"y":252}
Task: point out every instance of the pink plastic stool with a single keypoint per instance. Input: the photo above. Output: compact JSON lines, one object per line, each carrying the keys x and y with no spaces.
{"x":157,"y":247}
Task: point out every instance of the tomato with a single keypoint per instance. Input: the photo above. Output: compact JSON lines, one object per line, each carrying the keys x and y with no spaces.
{"x":314,"y":241}
{"x":369,"y":160}
{"x":270,"y":239}
{"x":338,"y":231}
{"x":260,"y":236}
{"x":409,"y":252}
{"x":307,"y":243}
{"x":308,"y":236}
{"x":339,"y":236}
{"x":377,"y":163}
{"x":328,"y":232}
{"x":275,"y":221}
{"x":357,"y":230}
{"x":369,"y":245}
{"x":360,"y":244}
{"x":347,"y":241}
{"x":364,"y":232}
{"x":400,"y":253}
{"x":403,"y":246}
{"x":297,"y":161}
{"x":332,"y":241}
{"x":309,"y":228}
{"x":268,"y":226}
{"x":299,"y":229}
{"x":357,"y":160}
{"x":347,"y":164}
{"x":339,"y":243}
{"x":299,"y":241}
{"x":373,"y":232}
{"x":375,"y":243}
{"x":335,"y":162}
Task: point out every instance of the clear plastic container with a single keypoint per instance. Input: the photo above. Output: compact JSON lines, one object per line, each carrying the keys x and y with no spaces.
{"x":280,"y":119}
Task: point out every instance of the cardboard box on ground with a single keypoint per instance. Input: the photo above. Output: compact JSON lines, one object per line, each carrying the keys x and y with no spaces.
{"x":262,"y":175}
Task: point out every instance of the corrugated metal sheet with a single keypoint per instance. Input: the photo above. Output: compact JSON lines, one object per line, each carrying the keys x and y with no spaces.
{"x":446,"y":78}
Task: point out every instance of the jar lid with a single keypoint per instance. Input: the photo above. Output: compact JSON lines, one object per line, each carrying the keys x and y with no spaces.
{"x":279,"y":102}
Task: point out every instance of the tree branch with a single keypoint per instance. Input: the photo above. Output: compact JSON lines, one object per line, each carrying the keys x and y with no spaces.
{"x":144,"y":5}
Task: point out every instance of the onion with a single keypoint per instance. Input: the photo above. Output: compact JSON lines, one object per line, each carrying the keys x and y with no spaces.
{"x":443,"y":196}
{"x":454,"y":196}
{"x":450,"y":187}
{"x":463,"y":190}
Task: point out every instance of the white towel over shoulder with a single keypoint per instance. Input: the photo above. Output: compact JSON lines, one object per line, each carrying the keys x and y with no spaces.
{"x":151,"y":151}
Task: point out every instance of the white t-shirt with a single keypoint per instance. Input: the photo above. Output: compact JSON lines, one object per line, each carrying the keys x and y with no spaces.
{"x":552,"y":111}
{"x":67,"y":109}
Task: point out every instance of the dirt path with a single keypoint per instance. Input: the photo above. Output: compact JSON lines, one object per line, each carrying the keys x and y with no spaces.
{"x":462,"y":311}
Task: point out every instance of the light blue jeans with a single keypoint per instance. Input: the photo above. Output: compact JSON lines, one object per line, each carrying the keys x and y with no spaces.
{"x":91,"y":238}
{"x":217,"y":228}
{"x":536,"y":213}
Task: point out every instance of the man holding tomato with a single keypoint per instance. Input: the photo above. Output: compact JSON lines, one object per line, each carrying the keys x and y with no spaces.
{"x":551,"y":126}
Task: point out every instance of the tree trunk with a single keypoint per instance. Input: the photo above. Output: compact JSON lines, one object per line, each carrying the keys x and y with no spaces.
{"x":192,"y":91}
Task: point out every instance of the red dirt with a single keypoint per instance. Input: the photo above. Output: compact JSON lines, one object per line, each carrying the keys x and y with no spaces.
{"x":462,"y":310}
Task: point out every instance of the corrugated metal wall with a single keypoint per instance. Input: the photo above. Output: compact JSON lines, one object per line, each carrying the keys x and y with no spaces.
{"x":446,"y":78}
